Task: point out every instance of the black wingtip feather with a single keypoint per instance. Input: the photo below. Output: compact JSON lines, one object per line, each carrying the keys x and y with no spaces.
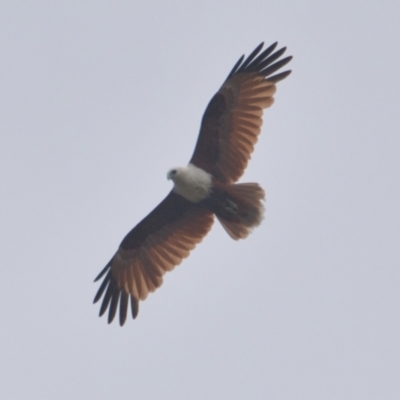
{"x":263,"y":63}
{"x":235,"y":67}
{"x":103,"y":271}
{"x":134,"y":307}
{"x":103,"y":286}
{"x":269,"y":60}
{"x":274,"y":67}
{"x":278,"y":77}
{"x":107,"y":297}
{"x":250,"y":58}
{"x":115,"y":298}
{"x":113,"y":305}
{"x":263,"y":55}
{"x":123,"y":308}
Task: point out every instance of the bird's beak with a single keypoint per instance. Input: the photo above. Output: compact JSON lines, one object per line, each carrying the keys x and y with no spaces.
{"x":168,"y":176}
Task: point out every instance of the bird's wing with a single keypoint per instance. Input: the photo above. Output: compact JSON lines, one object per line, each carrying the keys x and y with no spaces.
{"x":156,"y":245}
{"x":233,"y":118}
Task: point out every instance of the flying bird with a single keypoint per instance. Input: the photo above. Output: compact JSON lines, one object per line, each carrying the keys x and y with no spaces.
{"x":205,"y":188}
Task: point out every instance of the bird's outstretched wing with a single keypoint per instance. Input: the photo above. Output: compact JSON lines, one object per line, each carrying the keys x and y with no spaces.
{"x":156,"y":245}
{"x":233,"y":118}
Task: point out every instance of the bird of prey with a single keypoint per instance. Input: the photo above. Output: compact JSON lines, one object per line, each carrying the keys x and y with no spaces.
{"x":205,"y":188}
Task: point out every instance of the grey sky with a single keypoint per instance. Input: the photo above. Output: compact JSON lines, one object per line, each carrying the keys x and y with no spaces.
{"x":98,"y":100}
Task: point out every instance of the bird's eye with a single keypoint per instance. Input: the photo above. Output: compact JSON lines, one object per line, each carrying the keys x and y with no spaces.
{"x":173,"y":172}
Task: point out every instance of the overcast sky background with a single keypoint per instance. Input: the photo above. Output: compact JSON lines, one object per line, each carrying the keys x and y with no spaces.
{"x":98,"y":100}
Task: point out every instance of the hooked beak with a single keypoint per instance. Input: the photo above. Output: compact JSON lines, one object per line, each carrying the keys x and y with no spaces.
{"x":171,"y":173}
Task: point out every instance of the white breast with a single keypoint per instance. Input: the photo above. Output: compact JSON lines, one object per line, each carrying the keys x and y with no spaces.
{"x":192,"y":183}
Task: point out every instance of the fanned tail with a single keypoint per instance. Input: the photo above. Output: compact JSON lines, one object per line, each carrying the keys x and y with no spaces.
{"x":239,"y":208}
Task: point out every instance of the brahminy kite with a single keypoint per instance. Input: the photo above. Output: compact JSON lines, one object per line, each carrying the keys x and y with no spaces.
{"x":204,"y":188}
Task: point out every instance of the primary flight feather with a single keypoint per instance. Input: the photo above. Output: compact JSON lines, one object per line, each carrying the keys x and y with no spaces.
{"x":204,"y":188}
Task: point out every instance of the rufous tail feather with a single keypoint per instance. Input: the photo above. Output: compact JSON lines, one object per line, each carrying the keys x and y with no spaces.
{"x":239,"y":208}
